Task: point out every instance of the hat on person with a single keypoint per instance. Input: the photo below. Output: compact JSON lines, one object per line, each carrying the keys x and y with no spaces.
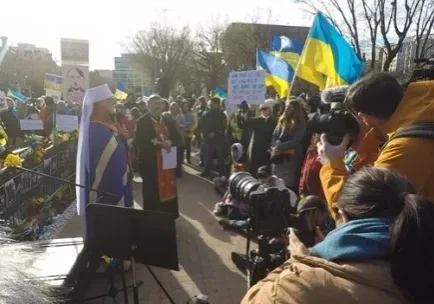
{"x":269,"y":103}
{"x":92,"y":96}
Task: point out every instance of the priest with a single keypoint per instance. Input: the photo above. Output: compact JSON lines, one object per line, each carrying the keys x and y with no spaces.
{"x":153,"y":134}
{"x":102,"y":155}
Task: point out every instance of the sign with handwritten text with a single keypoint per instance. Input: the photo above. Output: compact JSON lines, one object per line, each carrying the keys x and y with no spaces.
{"x":248,"y":86}
{"x":66,"y":123}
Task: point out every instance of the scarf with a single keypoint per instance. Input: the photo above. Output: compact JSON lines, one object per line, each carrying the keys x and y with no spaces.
{"x":363,"y":239}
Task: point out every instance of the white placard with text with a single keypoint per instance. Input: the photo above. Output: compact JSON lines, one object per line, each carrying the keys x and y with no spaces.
{"x":248,"y":86}
{"x":66,"y":123}
{"x":31,"y":124}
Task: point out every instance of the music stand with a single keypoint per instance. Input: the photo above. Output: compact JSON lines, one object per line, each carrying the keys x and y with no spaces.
{"x":146,"y":237}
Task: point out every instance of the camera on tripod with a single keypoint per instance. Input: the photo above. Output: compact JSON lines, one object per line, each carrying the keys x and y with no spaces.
{"x":338,"y":122}
{"x":272,"y":212}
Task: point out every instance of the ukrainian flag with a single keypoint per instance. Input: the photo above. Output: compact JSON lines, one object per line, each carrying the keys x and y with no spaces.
{"x":53,"y":82}
{"x":120,"y":91}
{"x":220,"y":93}
{"x":279,"y":72}
{"x":326,"y":51}
{"x":287,"y":49}
{"x":16,"y":95}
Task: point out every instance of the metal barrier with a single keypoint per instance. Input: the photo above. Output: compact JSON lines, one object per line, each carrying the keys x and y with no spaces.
{"x":19,"y":189}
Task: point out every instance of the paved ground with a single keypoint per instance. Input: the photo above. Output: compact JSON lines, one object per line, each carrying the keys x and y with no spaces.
{"x":203,"y":248}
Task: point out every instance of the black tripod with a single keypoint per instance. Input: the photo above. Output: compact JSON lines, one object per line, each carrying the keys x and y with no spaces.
{"x":139,"y":236}
{"x":110,"y":289}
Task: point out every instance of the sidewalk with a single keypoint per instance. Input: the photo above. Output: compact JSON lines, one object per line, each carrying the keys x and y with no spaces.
{"x":204,"y":251}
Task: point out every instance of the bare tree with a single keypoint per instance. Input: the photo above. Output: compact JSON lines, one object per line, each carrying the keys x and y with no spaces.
{"x":209,"y":62}
{"x":373,"y":19}
{"x":424,"y":24}
{"x":391,"y":17}
{"x":240,"y":41}
{"x":162,"y":51}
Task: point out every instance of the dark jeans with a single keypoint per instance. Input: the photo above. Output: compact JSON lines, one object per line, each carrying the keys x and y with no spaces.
{"x":188,"y":148}
{"x":236,"y":219}
{"x":180,"y":156}
{"x":215,"y":148}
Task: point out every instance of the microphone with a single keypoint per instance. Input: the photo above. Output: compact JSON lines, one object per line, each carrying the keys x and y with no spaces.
{"x":336,"y":94}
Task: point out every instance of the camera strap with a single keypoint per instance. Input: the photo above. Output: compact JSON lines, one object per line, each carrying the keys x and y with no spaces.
{"x":417,"y":130}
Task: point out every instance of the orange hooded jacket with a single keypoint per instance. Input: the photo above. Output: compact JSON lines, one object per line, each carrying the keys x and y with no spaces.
{"x":412,"y":157}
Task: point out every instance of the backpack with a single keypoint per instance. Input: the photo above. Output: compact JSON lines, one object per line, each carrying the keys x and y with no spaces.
{"x":418,"y":130}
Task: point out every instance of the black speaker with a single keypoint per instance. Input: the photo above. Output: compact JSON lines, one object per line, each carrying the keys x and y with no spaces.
{"x":163,"y":88}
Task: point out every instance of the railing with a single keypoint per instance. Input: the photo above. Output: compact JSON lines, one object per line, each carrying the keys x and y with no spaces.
{"x":30,"y":203}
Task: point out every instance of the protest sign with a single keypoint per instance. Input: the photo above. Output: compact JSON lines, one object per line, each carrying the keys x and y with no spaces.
{"x":3,"y":103}
{"x":53,"y":82}
{"x":31,"y":124}
{"x":75,"y":50}
{"x":66,"y":123}
{"x":248,"y":86}
{"x":56,"y":95}
{"x":75,"y":82}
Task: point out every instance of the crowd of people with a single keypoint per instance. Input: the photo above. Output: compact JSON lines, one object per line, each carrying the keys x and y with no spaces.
{"x":376,"y":189}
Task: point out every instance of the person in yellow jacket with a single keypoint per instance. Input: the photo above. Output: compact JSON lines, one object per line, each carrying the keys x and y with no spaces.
{"x":384,"y":106}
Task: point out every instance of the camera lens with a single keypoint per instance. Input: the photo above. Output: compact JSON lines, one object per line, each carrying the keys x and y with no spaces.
{"x":242,"y":184}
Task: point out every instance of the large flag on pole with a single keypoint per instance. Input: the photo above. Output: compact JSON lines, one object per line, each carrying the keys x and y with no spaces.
{"x":279,"y":72}
{"x":326,"y":51}
{"x":289,"y":49}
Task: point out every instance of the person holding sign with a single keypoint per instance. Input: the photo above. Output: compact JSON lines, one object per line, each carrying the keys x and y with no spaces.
{"x":102,"y":159}
{"x":156,"y":134}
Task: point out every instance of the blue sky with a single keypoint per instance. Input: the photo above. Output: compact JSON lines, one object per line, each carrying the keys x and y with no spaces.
{"x":108,"y":24}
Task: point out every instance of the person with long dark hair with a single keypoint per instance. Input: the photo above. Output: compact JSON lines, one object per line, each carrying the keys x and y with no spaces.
{"x":287,"y":150}
{"x":382,"y":250}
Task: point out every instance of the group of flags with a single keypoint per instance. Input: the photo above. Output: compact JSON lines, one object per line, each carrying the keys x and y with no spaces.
{"x":326,"y":59}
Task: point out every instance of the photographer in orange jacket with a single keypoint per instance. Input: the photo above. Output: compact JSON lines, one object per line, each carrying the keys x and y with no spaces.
{"x":394,"y":115}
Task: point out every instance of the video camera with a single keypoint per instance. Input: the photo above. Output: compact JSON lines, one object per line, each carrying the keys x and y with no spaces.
{"x":269,"y":207}
{"x":338,"y":122}
{"x":272,"y":212}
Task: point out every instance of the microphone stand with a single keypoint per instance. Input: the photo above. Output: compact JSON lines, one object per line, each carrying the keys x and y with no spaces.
{"x":63,"y":180}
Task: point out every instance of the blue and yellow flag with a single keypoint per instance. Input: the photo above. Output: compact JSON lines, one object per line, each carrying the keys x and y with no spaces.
{"x":326,"y":51}
{"x":120,"y":93}
{"x":287,"y":49}
{"x":220,"y":93}
{"x":279,"y":72}
{"x":53,"y":82}
{"x":16,"y":95}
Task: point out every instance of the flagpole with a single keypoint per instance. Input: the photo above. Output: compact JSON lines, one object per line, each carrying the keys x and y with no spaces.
{"x":299,"y":59}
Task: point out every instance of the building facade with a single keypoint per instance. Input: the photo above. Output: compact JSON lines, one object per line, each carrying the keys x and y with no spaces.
{"x":30,"y":51}
{"x":126,"y":74}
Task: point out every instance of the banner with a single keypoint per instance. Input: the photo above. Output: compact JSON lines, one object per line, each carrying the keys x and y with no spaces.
{"x":53,"y":82}
{"x":75,"y":82}
{"x":248,"y":86}
{"x":74,"y":50}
